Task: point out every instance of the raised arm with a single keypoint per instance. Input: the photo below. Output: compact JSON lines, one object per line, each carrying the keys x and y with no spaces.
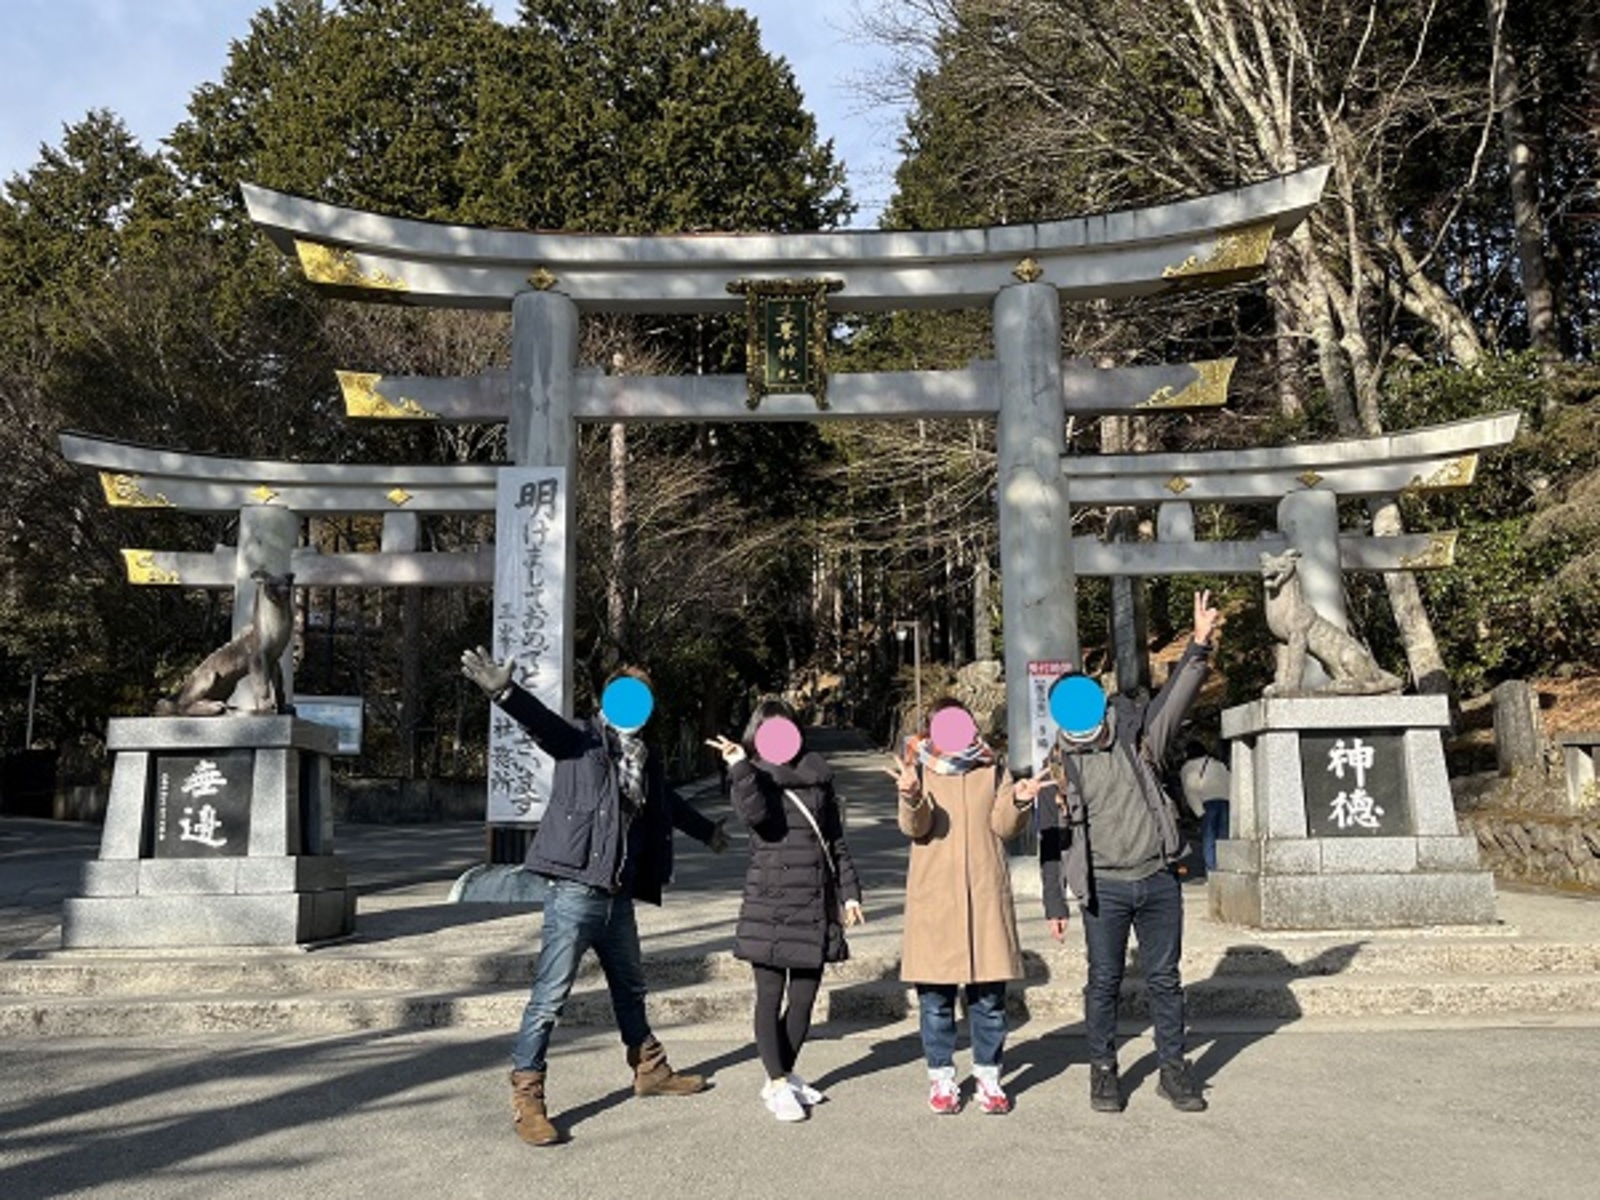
{"x":914,"y":810}
{"x":757,"y":806}
{"x":550,"y":731}
{"x":1012,"y":808}
{"x":1172,"y":703}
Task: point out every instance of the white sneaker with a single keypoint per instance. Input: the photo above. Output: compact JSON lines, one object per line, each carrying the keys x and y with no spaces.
{"x":782,"y":1102}
{"x":807,"y":1095}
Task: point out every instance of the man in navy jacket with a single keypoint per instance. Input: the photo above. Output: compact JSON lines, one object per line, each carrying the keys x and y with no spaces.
{"x":604,"y":842}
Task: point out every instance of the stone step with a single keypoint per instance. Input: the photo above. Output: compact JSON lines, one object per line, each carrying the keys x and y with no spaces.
{"x":89,"y":975}
{"x":1227,"y":997}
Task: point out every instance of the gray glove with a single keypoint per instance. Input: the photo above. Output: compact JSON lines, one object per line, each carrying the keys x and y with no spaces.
{"x":492,"y":677}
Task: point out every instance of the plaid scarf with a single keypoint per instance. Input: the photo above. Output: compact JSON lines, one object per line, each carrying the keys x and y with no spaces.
{"x":628,"y":752}
{"x":974,"y":756}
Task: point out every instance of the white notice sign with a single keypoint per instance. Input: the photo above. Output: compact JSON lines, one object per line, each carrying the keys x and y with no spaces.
{"x":531,"y":530}
{"x":1041,"y":726}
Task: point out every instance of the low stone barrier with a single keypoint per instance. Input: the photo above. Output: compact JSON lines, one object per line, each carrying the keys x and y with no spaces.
{"x":1529,"y":847}
{"x":395,"y":801}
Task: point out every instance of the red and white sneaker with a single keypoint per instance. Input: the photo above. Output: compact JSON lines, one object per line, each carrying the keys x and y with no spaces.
{"x":944,"y":1097}
{"x":991,"y":1097}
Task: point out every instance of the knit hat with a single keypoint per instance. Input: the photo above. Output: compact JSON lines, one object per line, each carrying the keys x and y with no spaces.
{"x":1078,"y":707}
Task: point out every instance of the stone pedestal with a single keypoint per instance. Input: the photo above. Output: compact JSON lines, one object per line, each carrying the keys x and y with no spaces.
{"x":1341,"y":818}
{"x":218,"y":832}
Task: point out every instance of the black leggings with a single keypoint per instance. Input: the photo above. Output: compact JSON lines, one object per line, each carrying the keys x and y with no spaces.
{"x":781,"y":1032}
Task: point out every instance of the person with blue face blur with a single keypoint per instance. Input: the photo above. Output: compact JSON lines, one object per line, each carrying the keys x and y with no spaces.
{"x":605,"y":841}
{"x":1107,"y":825}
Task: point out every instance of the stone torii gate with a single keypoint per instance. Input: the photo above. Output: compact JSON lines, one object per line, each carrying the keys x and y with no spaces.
{"x":786,"y":282}
{"x":1022,"y":272}
{"x":548,"y":280}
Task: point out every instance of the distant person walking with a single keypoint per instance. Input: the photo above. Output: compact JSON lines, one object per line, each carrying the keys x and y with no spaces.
{"x":605,"y":841}
{"x":1206,"y":787}
{"x":1106,"y":822}
{"x":958,"y":805}
{"x":800,"y":891}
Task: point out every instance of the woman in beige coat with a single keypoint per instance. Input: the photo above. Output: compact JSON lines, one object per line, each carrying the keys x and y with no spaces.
{"x":958,"y":805}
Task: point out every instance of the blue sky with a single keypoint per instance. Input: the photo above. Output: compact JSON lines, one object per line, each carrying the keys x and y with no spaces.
{"x":143,"y":58}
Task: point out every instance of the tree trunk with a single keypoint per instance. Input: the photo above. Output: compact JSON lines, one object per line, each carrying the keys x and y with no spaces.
{"x":1427,"y":667}
{"x":955,"y":602}
{"x":1287,"y":358}
{"x":1522,"y":161}
{"x":619,"y":584}
{"x":1405,"y":598}
{"x":1129,"y":632}
{"x":411,"y":601}
{"x":982,"y":634}
{"x":1321,"y":322}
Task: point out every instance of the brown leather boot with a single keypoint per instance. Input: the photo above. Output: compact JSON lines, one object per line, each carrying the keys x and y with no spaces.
{"x":527,"y":1109}
{"x":653,"y":1077}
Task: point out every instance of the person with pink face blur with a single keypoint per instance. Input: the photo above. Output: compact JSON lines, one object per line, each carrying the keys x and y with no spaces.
{"x":958,"y":805}
{"x":800,"y":891}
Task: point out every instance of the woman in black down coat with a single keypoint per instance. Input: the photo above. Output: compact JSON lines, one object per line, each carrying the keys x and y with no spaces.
{"x":799,"y":892}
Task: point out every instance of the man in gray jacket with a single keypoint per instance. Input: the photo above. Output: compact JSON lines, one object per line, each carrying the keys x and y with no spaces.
{"x":605,"y":841}
{"x":1106,"y":822}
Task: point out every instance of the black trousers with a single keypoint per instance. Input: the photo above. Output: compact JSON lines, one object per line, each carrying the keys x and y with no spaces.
{"x":784,"y":999}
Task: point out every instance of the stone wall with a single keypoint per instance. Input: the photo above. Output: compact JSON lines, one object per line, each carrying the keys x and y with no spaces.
{"x":1524,"y":833}
{"x":1530,"y":848}
{"x":979,"y":686}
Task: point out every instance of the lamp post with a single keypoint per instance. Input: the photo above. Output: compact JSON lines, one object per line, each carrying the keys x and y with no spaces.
{"x":33,"y":696}
{"x":901,"y":628}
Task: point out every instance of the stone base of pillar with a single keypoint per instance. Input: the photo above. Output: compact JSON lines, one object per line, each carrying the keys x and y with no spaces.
{"x":1342,"y":819}
{"x":218,"y":832}
{"x":1376,"y":900}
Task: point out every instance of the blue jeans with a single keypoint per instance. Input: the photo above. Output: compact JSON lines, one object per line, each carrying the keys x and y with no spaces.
{"x":1213,"y":825}
{"x":1152,"y":908}
{"x":577,"y":917}
{"x":986,"y":1013}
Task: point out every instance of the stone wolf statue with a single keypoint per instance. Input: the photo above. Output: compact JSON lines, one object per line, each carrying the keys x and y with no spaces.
{"x":254,"y":653}
{"x":1352,"y":671}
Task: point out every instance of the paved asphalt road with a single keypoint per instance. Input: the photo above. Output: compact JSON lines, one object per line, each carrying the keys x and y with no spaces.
{"x":1385,"y":1108}
{"x":40,"y":862}
{"x":1351,"y":1113}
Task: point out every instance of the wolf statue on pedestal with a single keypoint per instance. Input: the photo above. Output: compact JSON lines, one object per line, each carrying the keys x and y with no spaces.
{"x":254,"y":653}
{"x":1352,"y":671}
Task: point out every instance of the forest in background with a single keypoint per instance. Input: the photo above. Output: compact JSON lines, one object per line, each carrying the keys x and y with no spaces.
{"x":1450,"y":271}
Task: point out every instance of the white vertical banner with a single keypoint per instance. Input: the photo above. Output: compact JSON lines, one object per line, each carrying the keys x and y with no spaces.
{"x":531,"y":531}
{"x":1041,"y":725}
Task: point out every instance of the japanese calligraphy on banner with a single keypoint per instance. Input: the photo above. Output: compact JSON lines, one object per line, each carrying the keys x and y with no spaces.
{"x":202,"y":805}
{"x":1040,"y":724}
{"x":1355,"y":784}
{"x":531,"y":531}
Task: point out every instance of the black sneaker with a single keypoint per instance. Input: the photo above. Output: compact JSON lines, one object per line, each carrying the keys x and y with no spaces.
{"x":1177,"y":1084}
{"x":1105,"y":1089}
